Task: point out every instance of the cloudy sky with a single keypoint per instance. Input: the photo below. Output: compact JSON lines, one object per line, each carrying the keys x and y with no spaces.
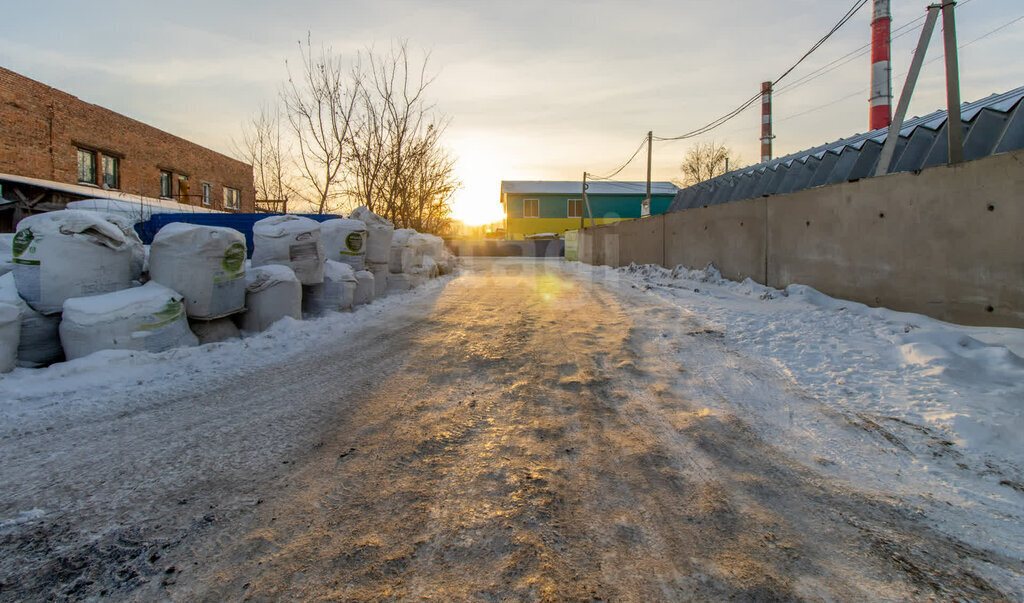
{"x":535,"y":89}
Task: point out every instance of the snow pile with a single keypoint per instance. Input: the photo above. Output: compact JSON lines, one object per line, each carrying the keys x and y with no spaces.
{"x":150,"y":318}
{"x":345,"y":241}
{"x":69,"y":253}
{"x":206,"y":264}
{"x":10,"y":336}
{"x":39,"y":342}
{"x":272,"y":293}
{"x":291,"y":241}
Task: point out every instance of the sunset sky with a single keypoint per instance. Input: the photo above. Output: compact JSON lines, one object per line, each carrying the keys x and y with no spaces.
{"x":535,"y":90}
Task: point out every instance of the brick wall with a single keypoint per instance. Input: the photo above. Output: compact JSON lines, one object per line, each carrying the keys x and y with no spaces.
{"x":42,"y":128}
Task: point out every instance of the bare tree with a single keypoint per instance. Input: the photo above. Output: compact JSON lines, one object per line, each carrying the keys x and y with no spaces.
{"x":399,"y":167}
{"x":319,"y":105}
{"x":704,"y":161}
{"x":262,"y":147}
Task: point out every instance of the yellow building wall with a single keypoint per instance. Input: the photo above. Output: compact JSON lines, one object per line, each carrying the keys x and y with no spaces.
{"x":520,"y":227}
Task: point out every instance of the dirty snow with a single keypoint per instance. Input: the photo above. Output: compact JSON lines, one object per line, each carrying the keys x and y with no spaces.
{"x":928,"y":413}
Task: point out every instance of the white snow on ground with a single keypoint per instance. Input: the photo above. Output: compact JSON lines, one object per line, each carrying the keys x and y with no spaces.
{"x":927,"y":413}
{"x":31,"y":398}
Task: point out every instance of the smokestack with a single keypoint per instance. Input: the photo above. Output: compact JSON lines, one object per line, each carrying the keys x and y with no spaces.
{"x":881,"y":71}
{"x":766,"y":121}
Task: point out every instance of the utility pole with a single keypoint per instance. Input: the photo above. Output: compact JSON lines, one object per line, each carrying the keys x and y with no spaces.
{"x":645,"y":208}
{"x":586,"y":203}
{"x":583,"y":197}
{"x":954,"y":124}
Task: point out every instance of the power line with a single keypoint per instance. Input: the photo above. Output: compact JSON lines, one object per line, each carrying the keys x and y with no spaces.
{"x":928,"y":62}
{"x":735,"y":112}
{"x":623,"y":166}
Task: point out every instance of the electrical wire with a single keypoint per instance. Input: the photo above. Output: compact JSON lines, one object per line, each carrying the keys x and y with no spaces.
{"x":928,"y":62}
{"x":857,"y":5}
{"x":623,"y":166}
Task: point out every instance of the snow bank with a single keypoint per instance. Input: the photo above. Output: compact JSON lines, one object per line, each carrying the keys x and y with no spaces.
{"x":65,"y":254}
{"x":150,"y":318}
{"x":291,"y":241}
{"x":206,"y":264}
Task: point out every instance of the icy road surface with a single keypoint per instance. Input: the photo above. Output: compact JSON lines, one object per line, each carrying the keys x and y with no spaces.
{"x":529,"y":430}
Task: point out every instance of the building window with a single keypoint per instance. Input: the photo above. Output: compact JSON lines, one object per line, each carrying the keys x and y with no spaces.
{"x":531,"y":208}
{"x":111,"y":172}
{"x":207,"y":193}
{"x":231,"y":198}
{"x":86,"y":166}
{"x":166,"y":184}
{"x":575,"y":208}
{"x":182,"y":189}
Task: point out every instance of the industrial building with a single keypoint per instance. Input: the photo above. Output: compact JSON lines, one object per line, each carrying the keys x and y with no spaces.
{"x":56,"y":148}
{"x":534,"y":207}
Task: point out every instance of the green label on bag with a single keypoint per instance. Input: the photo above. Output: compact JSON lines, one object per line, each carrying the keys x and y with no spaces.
{"x":173,"y":310}
{"x":354,"y":241}
{"x":234,"y":257}
{"x":21,"y":241}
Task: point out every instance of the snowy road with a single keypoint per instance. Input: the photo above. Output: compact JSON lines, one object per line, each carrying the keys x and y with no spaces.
{"x":525,"y":432}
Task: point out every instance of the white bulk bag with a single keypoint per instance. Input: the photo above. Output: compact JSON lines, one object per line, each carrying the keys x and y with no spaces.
{"x":380,"y":279}
{"x":397,"y":246}
{"x":291,"y":241}
{"x":138,"y":250}
{"x":206,"y":264}
{"x":335,"y":294}
{"x":345,"y":241}
{"x":365,"y":288}
{"x":399,"y":282}
{"x":416,"y":248}
{"x":434,"y":246}
{"x":69,"y":253}
{"x":379,"y":233}
{"x":149,"y":318}
{"x":6,"y":265}
{"x":272,"y":292}
{"x":40,"y":341}
{"x":430,"y":267}
{"x":418,"y":276}
{"x":214,"y":331}
{"x":10,"y":335}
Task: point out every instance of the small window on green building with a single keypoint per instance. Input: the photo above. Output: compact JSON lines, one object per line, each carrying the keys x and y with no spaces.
{"x":531,"y":208}
{"x":575,"y":208}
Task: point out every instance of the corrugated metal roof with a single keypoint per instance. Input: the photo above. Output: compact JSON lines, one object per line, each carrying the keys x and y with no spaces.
{"x":992,"y":125}
{"x":119,"y":199}
{"x":596,"y":187}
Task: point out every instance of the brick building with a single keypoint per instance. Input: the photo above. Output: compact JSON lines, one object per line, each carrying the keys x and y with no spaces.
{"x":49,"y":135}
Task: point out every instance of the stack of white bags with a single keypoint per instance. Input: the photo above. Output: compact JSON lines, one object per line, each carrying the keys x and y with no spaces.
{"x":75,"y":282}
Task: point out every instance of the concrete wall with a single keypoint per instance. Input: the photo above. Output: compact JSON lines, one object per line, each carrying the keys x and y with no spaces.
{"x":730,"y":236}
{"x":947,"y":241}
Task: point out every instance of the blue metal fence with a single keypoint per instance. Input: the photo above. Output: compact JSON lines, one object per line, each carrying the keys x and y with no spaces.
{"x":241,"y":222}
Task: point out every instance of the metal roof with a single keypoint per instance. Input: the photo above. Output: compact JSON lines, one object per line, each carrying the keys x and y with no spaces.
{"x":597,"y":187}
{"x":991,"y":125}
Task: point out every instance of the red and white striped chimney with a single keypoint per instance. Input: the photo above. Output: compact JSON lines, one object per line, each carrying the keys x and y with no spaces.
{"x":766,"y":121}
{"x":881,"y":70}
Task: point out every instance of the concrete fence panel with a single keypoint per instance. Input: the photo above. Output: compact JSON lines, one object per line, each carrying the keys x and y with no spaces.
{"x":947,"y":242}
{"x":641,"y":241}
{"x":731,"y":236}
